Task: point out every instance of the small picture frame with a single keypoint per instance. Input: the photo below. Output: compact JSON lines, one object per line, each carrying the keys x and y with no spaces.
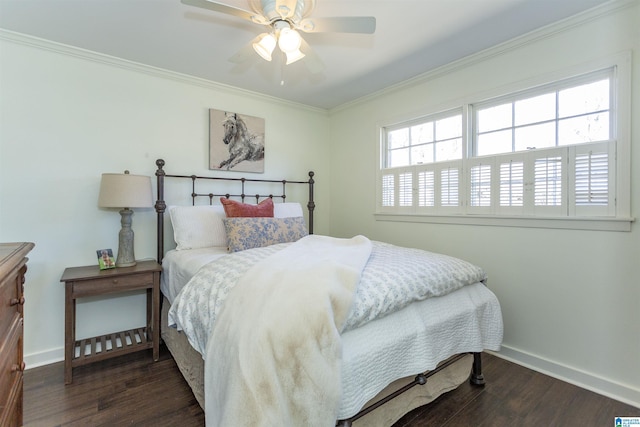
{"x":105,"y":259}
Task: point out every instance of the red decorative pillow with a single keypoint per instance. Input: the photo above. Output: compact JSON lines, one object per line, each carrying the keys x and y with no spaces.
{"x":234,"y":209}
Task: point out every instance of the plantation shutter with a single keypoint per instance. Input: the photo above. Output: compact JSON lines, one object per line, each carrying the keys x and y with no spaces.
{"x":549,"y":182}
{"x":511,"y":185}
{"x":450,"y":187}
{"x":592,"y":186}
{"x":405,"y":189}
{"x":426,"y":189}
{"x":480,"y":185}
{"x":388,"y":193}
{"x":396,"y":192}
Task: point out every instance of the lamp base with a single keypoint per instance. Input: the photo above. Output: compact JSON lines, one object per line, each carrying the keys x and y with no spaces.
{"x":125,"y":258}
{"x":125,"y":264}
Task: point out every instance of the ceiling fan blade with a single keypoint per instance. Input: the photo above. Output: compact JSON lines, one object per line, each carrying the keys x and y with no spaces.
{"x":339,"y":24}
{"x":311,"y":59}
{"x":224,"y":8}
{"x":246,"y":53}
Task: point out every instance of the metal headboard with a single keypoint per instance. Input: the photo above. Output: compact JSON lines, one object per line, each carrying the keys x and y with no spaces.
{"x":161,"y":206}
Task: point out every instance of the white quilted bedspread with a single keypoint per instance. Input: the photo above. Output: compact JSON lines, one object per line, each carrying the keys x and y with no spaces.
{"x":425,"y":333}
{"x":392,"y":278}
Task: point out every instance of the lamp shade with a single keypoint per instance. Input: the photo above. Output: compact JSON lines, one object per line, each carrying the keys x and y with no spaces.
{"x":123,"y":190}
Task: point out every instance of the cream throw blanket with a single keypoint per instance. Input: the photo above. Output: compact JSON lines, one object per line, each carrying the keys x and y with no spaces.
{"x":274,"y":355}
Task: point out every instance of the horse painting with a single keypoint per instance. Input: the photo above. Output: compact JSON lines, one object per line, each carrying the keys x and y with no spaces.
{"x":242,"y":143}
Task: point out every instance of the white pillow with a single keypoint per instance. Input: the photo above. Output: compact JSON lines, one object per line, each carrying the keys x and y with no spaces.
{"x":287,"y":210}
{"x":198,"y":226}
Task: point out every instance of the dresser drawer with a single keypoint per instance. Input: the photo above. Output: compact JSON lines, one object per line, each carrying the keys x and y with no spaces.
{"x":11,"y":365}
{"x":10,"y":303}
{"x":13,"y":260}
{"x":111,"y":284}
{"x":12,"y":416}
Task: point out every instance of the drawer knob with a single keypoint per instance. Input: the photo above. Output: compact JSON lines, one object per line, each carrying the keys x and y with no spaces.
{"x":20,"y":367}
{"x":16,"y":301}
{"x":115,"y":281}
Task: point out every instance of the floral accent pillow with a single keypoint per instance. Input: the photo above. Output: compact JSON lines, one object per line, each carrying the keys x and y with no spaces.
{"x":233,"y":208}
{"x":248,"y":233}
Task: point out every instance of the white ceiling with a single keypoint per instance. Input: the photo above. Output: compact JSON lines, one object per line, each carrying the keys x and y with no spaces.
{"x":411,"y":38}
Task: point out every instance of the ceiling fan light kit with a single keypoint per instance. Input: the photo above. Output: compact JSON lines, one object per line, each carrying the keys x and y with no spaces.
{"x":288,"y":40}
{"x":294,"y":56}
{"x":285,"y":17}
{"x":265,"y":45}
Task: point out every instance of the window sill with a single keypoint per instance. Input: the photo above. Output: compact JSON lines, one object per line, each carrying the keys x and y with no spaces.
{"x":592,"y":223}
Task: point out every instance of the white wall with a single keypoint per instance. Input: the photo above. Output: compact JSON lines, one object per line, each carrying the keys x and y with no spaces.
{"x":67,"y":116}
{"x":570,"y":308}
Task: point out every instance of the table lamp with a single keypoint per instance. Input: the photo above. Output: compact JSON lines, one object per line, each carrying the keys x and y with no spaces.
{"x":125,"y":191}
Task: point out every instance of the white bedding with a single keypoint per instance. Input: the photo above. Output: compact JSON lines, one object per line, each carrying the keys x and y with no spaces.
{"x":393,"y":278}
{"x":178,"y":267}
{"x":415,"y":338}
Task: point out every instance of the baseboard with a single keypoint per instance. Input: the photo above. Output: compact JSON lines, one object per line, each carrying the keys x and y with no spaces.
{"x":42,"y":358}
{"x":614,"y":390}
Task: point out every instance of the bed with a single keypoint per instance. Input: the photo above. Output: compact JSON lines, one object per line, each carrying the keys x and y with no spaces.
{"x":373,"y":361}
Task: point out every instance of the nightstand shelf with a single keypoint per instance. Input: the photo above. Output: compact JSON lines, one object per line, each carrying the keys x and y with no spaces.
{"x":89,"y":281}
{"x":111,"y":345}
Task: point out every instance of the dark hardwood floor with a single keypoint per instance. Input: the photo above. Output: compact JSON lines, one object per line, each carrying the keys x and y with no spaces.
{"x":132,"y":390}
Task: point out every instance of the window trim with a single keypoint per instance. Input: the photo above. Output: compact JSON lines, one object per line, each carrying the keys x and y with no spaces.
{"x":567,"y":223}
{"x":621,"y":126}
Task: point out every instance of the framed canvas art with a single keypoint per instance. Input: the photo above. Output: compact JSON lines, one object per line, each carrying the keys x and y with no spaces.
{"x":236,"y":142}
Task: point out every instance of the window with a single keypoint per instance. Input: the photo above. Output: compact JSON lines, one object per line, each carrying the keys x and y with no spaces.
{"x":421,"y":152}
{"x":560,"y":117}
{"x":432,"y":140}
{"x":544,"y":152}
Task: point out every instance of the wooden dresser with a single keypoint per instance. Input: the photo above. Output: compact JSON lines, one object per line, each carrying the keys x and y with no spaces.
{"x":13,"y":265}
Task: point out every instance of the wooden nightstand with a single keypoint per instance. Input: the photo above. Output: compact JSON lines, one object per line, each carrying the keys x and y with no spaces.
{"x":90,"y":281}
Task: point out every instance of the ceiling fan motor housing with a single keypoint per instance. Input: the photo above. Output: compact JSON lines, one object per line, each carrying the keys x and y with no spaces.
{"x":290,"y":10}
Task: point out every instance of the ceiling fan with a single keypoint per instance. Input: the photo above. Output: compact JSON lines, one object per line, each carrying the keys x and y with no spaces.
{"x":285,"y":18}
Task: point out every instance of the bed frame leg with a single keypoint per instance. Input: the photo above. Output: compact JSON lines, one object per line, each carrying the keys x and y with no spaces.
{"x":477,"y":378}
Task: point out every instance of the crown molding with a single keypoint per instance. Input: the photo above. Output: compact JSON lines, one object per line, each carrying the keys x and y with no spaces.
{"x":534,"y":36}
{"x":112,"y":61}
